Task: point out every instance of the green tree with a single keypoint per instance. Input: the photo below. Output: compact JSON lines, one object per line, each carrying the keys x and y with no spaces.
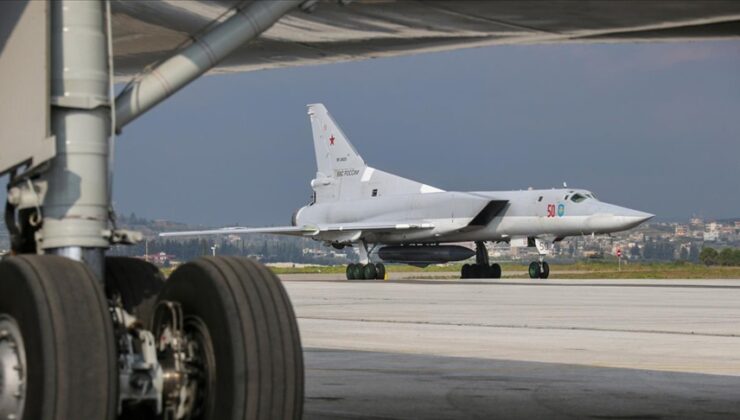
{"x":708,"y":256}
{"x":726,"y":257}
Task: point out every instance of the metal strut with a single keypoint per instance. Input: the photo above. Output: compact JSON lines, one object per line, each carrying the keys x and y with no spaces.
{"x":197,"y":58}
{"x":77,"y":200}
{"x":481,"y":254}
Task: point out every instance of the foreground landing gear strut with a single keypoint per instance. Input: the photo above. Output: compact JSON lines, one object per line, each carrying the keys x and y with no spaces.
{"x":481,"y":269}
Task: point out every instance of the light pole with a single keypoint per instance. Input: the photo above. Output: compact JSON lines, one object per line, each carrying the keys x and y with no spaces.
{"x":213,"y":248}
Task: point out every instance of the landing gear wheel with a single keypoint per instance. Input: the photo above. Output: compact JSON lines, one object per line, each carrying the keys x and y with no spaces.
{"x":350,"y":272}
{"x":495,"y":271}
{"x":380,"y":271}
{"x":545,"y":270}
{"x":474,"y":271}
{"x":247,"y":361}
{"x":369,"y":272}
{"x":137,"y":283}
{"x":534,"y":270}
{"x":356,"y":271}
{"x":465,"y":272}
{"x":57,"y":351}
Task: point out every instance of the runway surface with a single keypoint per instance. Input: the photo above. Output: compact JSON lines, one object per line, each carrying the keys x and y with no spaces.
{"x":558,"y":349}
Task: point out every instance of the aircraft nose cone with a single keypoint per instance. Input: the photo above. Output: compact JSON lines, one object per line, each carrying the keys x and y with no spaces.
{"x":633,"y":218}
{"x":613,"y":218}
{"x":644,"y":217}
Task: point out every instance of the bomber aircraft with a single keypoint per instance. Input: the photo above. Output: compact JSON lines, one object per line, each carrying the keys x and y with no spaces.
{"x":414,"y":223}
{"x":88,"y":335}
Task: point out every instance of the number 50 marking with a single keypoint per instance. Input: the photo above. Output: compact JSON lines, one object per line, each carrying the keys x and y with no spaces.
{"x":551,"y":210}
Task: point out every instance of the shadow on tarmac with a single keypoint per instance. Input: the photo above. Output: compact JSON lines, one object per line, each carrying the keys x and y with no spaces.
{"x":345,"y":384}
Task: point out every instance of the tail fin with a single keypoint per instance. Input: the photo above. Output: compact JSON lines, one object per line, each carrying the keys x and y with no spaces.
{"x":334,"y":152}
{"x":342,"y":174}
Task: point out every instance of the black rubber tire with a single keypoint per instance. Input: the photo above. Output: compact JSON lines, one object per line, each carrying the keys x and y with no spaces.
{"x":380,"y":271}
{"x":357,"y":271}
{"x":495,"y":271}
{"x":545,"y":270}
{"x":137,"y":282}
{"x":465,"y":271}
{"x":369,"y":272}
{"x":67,"y":330}
{"x":534,"y":270}
{"x":254,"y":336}
{"x":349,"y":272}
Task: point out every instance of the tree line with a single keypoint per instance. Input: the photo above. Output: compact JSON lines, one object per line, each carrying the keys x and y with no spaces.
{"x":727,"y":256}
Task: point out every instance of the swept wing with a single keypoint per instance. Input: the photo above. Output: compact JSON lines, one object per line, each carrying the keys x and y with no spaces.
{"x":333,"y":31}
{"x":306,"y":230}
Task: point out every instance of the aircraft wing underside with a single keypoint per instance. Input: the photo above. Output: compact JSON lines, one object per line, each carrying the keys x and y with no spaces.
{"x":307,"y":230}
{"x":146,"y":31}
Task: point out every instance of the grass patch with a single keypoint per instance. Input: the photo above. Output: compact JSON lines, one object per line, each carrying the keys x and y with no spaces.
{"x":580,"y":270}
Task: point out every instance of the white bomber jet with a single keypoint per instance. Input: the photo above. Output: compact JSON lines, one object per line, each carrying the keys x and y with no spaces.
{"x":410,"y":222}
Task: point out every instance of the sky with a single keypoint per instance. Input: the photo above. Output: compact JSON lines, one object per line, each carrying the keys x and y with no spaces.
{"x":654,"y":127}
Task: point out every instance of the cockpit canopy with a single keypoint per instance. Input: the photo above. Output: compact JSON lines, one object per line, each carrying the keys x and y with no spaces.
{"x":581,"y":196}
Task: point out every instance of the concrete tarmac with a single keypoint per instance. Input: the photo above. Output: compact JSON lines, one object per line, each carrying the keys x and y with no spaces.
{"x":511,"y":349}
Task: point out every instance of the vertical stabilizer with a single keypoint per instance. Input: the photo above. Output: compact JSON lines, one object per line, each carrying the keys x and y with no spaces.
{"x":342,"y":173}
{"x":335,"y":155}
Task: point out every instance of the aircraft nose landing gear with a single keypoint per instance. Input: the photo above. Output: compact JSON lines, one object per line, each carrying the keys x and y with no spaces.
{"x":541,"y":269}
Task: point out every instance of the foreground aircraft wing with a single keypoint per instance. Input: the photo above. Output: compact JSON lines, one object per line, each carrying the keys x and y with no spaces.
{"x":306,"y":230}
{"x":328,"y":31}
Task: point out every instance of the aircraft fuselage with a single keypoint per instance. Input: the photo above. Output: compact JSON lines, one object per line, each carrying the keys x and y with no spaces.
{"x":526,"y":213}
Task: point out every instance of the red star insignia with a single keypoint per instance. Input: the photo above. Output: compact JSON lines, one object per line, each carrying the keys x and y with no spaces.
{"x":331,"y":140}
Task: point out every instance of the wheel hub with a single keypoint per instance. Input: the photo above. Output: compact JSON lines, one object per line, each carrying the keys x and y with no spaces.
{"x":12,"y":370}
{"x":186,"y":355}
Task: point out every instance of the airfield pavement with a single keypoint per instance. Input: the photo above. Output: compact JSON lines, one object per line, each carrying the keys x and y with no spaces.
{"x":516,"y":349}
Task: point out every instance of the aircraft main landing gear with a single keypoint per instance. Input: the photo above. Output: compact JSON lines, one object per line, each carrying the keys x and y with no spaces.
{"x":369,"y":271}
{"x":481,"y":269}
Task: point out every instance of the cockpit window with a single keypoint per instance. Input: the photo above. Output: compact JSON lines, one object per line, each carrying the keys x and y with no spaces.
{"x":577,"y":198}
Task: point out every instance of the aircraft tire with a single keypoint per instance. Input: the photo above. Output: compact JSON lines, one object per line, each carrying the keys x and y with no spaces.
{"x":356,"y":271}
{"x":350,"y":272}
{"x":534,"y":270}
{"x":369,"y":272}
{"x":495,"y":271}
{"x":137,"y":282}
{"x":465,"y":271}
{"x":242,"y":319}
{"x":545,"y":271}
{"x":55,"y":326}
{"x":479,"y":271}
{"x":380,"y":271}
